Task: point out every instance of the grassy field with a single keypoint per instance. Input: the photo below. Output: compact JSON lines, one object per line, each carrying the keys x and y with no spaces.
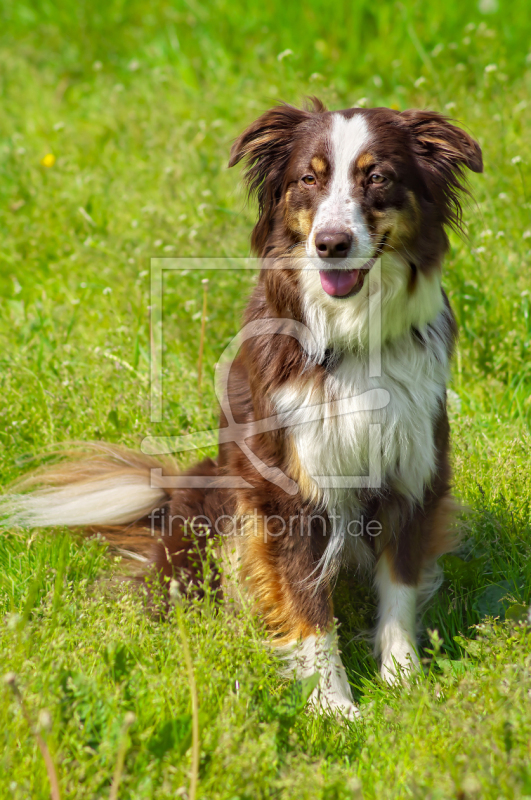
{"x":116,"y":123}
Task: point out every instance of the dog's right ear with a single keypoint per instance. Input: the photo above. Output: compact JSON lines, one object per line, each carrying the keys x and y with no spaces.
{"x":266,"y":146}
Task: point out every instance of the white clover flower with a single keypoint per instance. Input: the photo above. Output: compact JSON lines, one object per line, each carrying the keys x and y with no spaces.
{"x":491,"y":68}
{"x":516,"y":160}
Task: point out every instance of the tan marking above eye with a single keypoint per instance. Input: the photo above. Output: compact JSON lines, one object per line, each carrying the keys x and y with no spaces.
{"x":364,"y":161}
{"x":318,"y":164}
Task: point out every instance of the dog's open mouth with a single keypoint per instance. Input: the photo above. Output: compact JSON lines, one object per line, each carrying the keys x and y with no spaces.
{"x":348,"y":282}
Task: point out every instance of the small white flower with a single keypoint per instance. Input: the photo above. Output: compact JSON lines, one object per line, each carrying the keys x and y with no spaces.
{"x":485,"y":234}
{"x":133,"y":65}
{"x":450,"y":106}
{"x":97,"y":66}
{"x":158,"y":243}
{"x":284,"y":54}
{"x":526,"y":235}
{"x":437,"y":50}
{"x":500,"y":234}
{"x":488,"y":6}
{"x":503,"y":196}
{"x":516,"y":160}
{"x":378,"y":82}
{"x":361,"y":103}
{"x":479,"y":250}
{"x":175,"y":592}
{"x":420,"y":81}
{"x":45,"y":721}
{"x":107,"y":290}
{"x":491,"y":68}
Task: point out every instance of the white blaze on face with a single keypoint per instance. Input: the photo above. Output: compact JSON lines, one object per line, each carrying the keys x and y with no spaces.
{"x":339,"y":211}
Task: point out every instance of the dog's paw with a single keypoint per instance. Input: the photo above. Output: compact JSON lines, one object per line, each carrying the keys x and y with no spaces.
{"x":399,"y":666}
{"x":344,"y":709}
{"x":340,"y":707}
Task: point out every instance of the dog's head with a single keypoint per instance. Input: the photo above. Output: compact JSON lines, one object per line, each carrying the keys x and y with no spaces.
{"x":339,"y":189}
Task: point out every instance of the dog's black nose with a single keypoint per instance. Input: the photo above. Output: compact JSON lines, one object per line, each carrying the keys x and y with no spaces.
{"x":333,"y":244}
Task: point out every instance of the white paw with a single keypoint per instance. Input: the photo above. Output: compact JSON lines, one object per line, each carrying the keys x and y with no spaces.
{"x":340,"y":707}
{"x":399,"y":666}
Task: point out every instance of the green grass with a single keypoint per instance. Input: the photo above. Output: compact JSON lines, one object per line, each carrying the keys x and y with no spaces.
{"x":139,"y":104}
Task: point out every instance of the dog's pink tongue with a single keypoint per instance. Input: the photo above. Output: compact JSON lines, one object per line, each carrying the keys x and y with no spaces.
{"x":338,"y":282}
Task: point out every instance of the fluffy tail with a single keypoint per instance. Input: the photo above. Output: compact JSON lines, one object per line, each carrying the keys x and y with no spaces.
{"x":112,"y":490}
{"x":100,"y":487}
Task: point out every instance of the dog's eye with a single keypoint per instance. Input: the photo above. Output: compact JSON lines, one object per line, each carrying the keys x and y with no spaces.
{"x":309,"y":180}
{"x":377,"y":178}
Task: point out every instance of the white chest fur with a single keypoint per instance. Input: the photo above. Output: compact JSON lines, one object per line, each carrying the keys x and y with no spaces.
{"x":336,"y":440}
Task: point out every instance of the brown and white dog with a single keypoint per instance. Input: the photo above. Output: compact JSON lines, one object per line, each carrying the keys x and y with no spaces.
{"x":342,"y":196}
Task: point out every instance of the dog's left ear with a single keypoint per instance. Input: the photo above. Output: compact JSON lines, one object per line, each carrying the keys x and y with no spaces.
{"x":443,"y":151}
{"x":266,"y":146}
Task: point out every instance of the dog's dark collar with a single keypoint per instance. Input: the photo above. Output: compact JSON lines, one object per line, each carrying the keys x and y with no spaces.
{"x":330,"y":359}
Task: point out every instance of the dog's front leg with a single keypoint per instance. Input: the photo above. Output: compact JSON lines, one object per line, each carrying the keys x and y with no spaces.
{"x":396,"y":629}
{"x":320,"y":653}
{"x":278,"y":567}
{"x":406,"y":576}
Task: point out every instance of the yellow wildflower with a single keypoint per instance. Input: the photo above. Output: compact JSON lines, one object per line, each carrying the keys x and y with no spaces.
{"x":48,"y":160}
